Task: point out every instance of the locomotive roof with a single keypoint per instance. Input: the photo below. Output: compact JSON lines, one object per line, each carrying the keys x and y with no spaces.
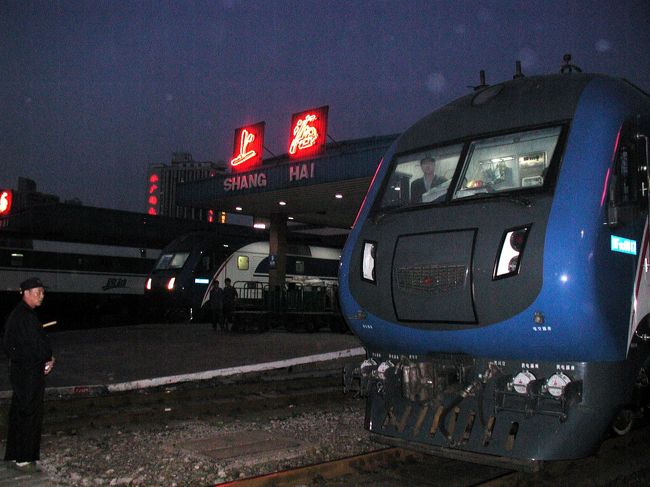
{"x":522,"y":102}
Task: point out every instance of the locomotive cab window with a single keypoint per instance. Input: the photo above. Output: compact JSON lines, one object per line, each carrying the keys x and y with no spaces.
{"x":507,"y":163}
{"x":514,"y":162}
{"x":172,"y":261}
{"x":421,"y":177}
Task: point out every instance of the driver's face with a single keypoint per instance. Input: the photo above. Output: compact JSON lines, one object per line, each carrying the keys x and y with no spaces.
{"x":428,"y":168}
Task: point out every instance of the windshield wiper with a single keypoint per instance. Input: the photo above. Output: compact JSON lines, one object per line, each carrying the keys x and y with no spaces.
{"x":513,"y":198}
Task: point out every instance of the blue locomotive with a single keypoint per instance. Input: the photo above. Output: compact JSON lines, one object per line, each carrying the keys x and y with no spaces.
{"x":497,"y":273}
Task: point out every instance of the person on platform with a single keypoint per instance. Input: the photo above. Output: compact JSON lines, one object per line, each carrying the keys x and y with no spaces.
{"x":216,"y":305}
{"x":29,"y":350}
{"x":428,"y":180}
{"x":229,"y":299}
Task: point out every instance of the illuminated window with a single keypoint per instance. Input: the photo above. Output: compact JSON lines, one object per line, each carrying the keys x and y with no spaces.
{"x":242,"y":262}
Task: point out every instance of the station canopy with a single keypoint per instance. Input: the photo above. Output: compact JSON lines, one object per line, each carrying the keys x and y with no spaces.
{"x":326,"y":190}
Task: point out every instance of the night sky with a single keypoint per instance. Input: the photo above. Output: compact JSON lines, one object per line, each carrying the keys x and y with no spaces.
{"x":93,"y":92}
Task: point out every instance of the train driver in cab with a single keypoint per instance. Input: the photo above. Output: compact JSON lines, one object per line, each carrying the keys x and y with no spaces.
{"x":422,"y":187}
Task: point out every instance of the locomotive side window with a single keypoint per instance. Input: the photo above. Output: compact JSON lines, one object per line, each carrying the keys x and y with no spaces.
{"x":628,"y":183}
{"x":421,"y":177}
{"x":507,"y":163}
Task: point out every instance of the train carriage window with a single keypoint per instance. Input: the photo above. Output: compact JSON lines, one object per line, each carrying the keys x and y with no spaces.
{"x":421,"y":177}
{"x":242,"y":262}
{"x":17,"y":259}
{"x":300,"y":267}
{"x":506,"y":163}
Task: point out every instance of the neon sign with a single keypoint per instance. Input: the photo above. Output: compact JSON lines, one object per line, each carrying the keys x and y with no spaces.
{"x":308,"y":132}
{"x":153,"y":194}
{"x":248,"y":147}
{"x":6,"y":197}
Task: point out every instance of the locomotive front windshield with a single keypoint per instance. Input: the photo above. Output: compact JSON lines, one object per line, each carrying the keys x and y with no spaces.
{"x":513,"y":162}
{"x":174,"y":260}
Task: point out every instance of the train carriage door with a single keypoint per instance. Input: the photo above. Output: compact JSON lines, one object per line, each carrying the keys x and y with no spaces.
{"x":628,"y":206}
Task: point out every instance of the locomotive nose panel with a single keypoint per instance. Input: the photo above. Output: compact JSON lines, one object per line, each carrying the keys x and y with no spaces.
{"x":431,"y":277}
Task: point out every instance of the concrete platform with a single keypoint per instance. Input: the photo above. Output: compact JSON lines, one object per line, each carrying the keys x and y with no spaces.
{"x":123,"y":358}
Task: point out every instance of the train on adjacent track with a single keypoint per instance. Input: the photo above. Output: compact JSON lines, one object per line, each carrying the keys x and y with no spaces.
{"x":93,"y":261}
{"x":178,"y":285}
{"x":504,"y":304}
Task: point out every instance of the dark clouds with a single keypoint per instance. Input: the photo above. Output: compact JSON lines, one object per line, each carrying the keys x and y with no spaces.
{"x":92,"y":92}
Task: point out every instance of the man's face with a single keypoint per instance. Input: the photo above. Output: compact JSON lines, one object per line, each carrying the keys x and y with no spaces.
{"x":34,"y":297}
{"x":428,"y":167}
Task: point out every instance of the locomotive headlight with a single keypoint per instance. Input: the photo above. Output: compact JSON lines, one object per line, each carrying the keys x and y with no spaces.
{"x":512,"y":248}
{"x":521,"y":381}
{"x":170,"y":284}
{"x":556,"y":384}
{"x":368,"y":261}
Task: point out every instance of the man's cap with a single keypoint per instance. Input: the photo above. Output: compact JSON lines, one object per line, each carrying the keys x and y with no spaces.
{"x":31,"y":283}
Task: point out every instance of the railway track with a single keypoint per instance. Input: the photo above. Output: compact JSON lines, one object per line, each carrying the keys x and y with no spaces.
{"x":184,"y":401}
{"x":388,"y":467}
{"x":621,"y":461}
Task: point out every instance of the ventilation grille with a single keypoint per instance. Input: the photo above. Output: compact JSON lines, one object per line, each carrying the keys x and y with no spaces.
{"x":431,"y":278}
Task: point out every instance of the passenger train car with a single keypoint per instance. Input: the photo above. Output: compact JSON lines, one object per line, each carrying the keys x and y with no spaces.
{"x":93,"y":261}
{"x":84,"y":281}
{"x":504,"y":308}
{"x":179,"y":282}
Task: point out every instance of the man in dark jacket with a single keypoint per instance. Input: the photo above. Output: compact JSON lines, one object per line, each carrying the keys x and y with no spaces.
{"x":229,"y":299}
{"x":216,"y":305}
{"x":28,"y":347}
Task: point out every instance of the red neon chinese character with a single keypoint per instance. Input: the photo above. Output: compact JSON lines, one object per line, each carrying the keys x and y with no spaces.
{"x":245,"y":140}
{"x":153,"y":188}
{"x":153,"y":200}
{"x":304,"y":135}
{"x":5,"y":202}
{"x":152,"y":211}
{"x":153,"y":178}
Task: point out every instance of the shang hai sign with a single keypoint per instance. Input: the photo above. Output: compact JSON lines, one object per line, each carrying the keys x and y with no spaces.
{"x":248,"y":148}
{"x":308,"y":133}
